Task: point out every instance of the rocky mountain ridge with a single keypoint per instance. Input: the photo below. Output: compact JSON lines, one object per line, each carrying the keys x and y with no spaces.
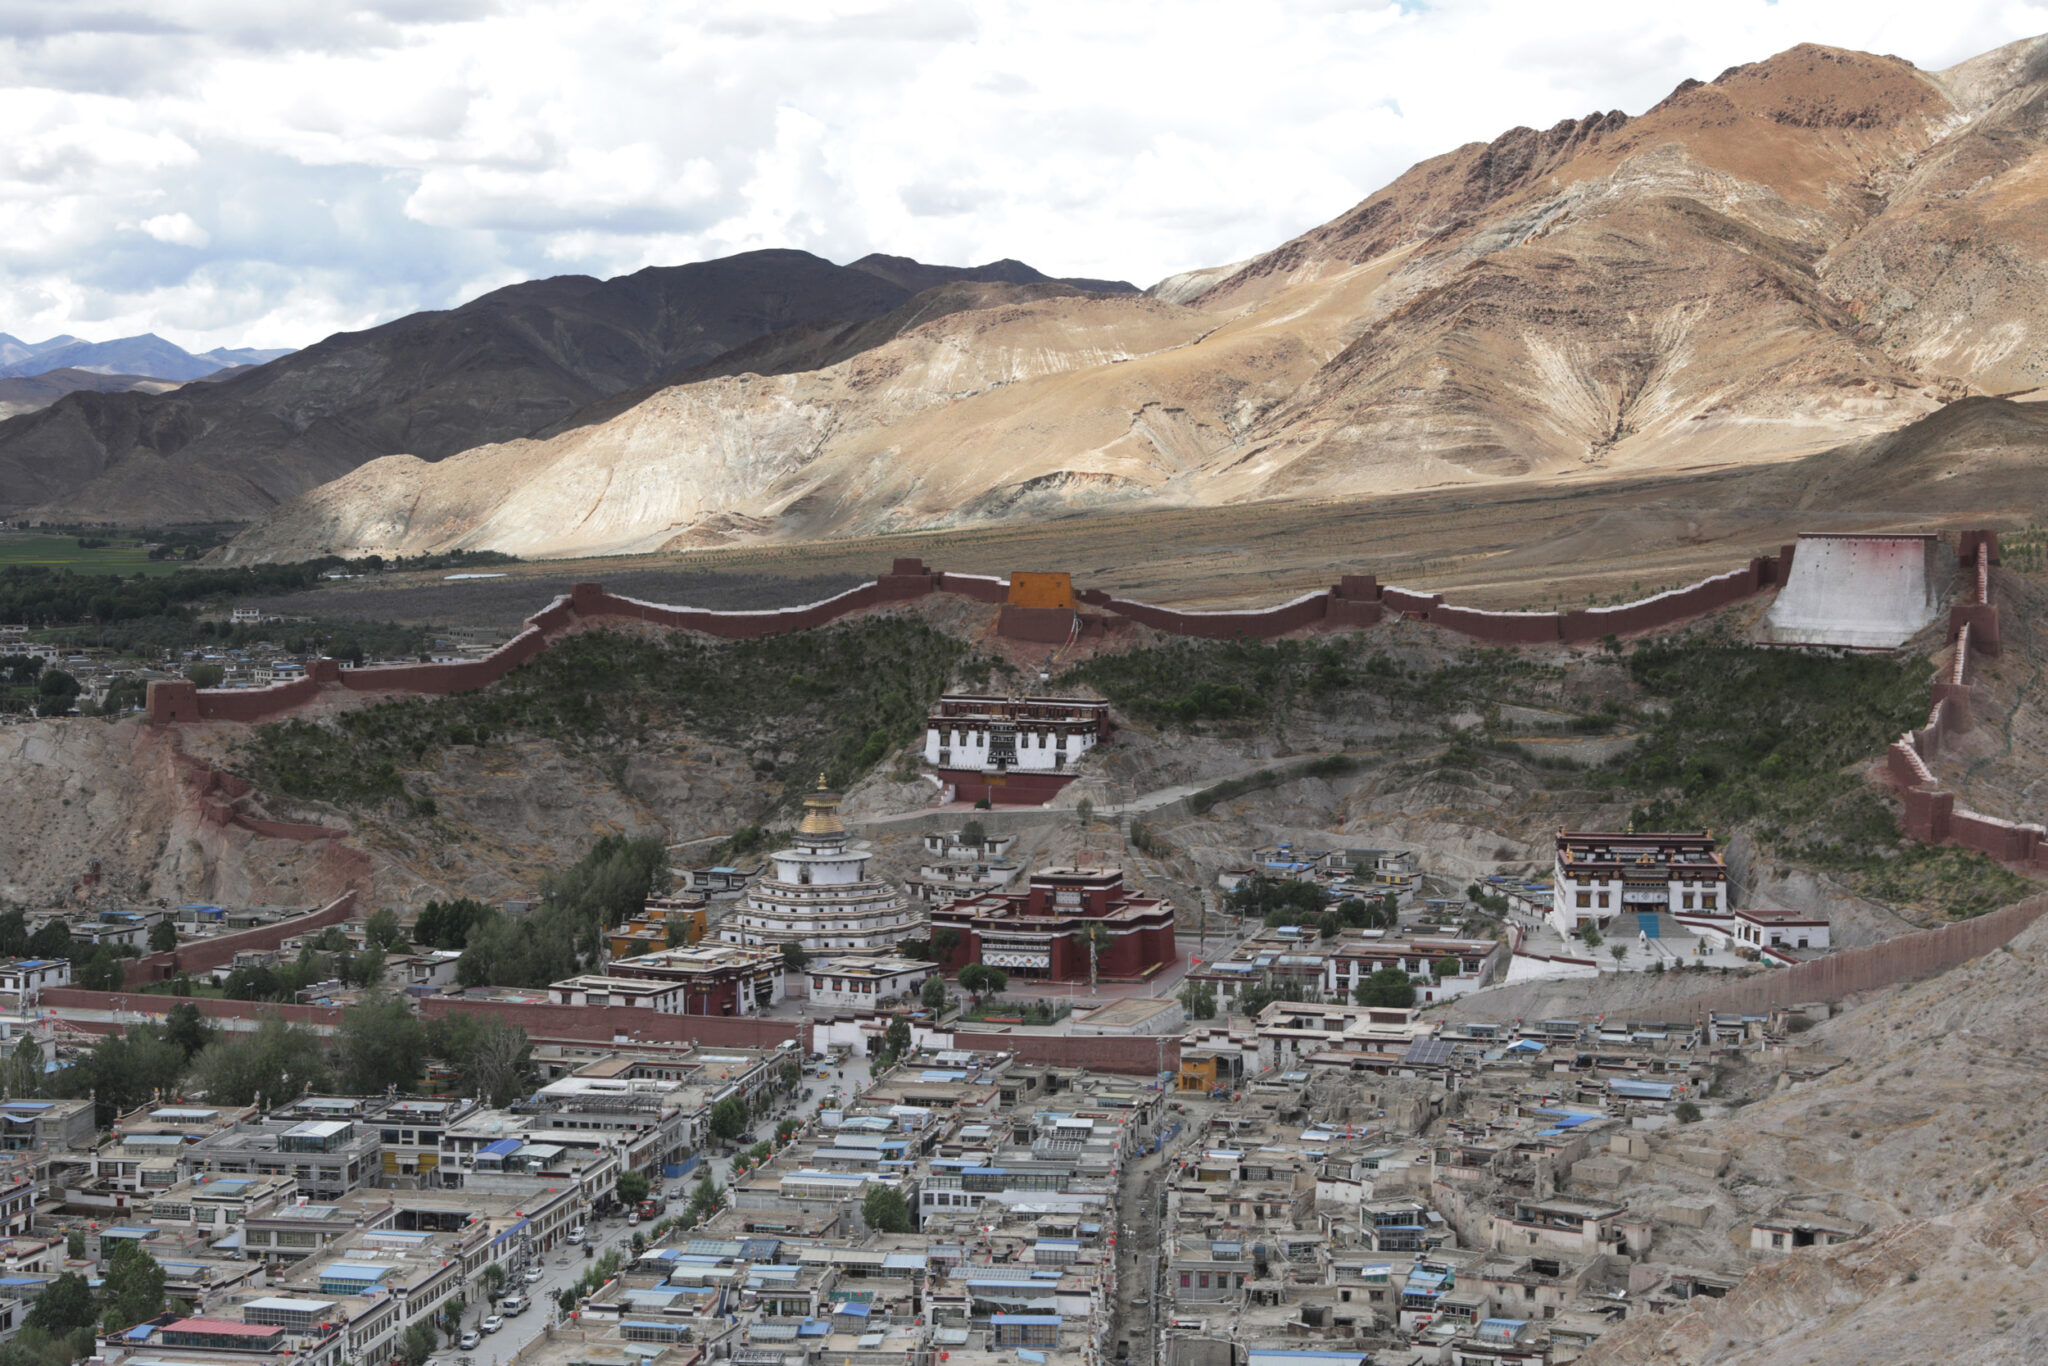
{"x":518,"y":359}
{"x":1805,"y":251}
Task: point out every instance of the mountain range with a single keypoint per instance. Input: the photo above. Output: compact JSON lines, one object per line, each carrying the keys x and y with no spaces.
{"x":1796,"y":255}
{"x":33,"y":375}
{"x":147,"y":356}
{"x":516,"y":360}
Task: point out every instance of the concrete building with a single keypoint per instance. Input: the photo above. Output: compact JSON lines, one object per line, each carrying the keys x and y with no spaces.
{"x":20,"y":978}
{"x":46,"y":1125}
{"x":818,"y":893}
{"x":1774,"y":929}
{"x":1602,"y":876}
{"x":861,"y":981}
{"x":327,"y":1157}
{"x":662,"y":995}
{"x":1052,"y":929}
{"x":1015,"y":751}
{"x":711,"y":979}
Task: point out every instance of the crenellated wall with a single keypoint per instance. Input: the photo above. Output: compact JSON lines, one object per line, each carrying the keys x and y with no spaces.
{"x":204,"y":955}
{"x":1357,"y":602}
{"x":1931,"y":814}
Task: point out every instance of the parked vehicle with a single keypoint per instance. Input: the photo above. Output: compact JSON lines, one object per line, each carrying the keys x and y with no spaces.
{"x":470,"y":1340}
{"x":633,"y":1218}
{"x":513,"y":1305}
{"x":533,"y":1274}
{"x":492,"y":1324}
{"x":576,"y":1234}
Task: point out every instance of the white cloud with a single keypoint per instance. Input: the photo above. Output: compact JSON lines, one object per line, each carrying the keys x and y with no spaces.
{"x":353,"y":162}
{"x":176,"y":228}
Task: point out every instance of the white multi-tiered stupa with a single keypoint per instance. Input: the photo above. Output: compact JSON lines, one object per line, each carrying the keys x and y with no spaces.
{"x":820,"y":895}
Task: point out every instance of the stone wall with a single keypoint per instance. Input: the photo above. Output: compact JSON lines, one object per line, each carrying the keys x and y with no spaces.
{"x":1931,"y":814}
{"x":1907,"y":958}
{"x":204,"y":955}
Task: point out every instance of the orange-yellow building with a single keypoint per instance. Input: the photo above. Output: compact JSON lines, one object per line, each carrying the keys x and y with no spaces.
{"x":686,"y":917}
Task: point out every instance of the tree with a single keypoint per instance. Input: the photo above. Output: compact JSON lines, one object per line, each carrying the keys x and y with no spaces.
{"x":381,"y":929}
{"x":1084,"y":812}
{"x":446,"y":924}
{"x":1590,"y":933}
{"x":365,"y":969}
{"x":1327,"y":925}
{"x":123,"y":1070}
{"x":186,"y":1027}
{"x":419,"y":1342}
{"x":884,"y":1210}
{"x":1443,"y":967}
{"x":1199,"y":1000}
{"x":979,"y":980}
{"x":493,"y":1278}
{"x":1387,"y":987}
{"x":54,"y":693}
{"x":278,"y":1061}
{"x":896,"y":1038}
{"x":728,"y":1118}
{"x":1687,"y":1112}
{"x":13,"y":933}
{"x":102,"y":971}
{"x":133,"y":1288}
{"x":794,"y":957}
{"x":632,"y":1188}
{"x":51,"y":940}
{"x":22,"y":1076}
{"x":205,"y":675}
{"x":932,"y":995}
{"x":163,"y":937}
{"x":490,"y":1058}
{"x":383,"y":1045}
{"x":64,"y":1307}
{"x":1619,"y":953}
{"x":704,"y":1195}
{"x":972,"y":835}
{"x":451,"y":1317}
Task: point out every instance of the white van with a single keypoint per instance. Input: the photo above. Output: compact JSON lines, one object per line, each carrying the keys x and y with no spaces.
{"x":513,"y":1304}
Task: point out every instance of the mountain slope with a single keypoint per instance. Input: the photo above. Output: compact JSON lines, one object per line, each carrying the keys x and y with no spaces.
{"x":1764,"y":266}
{"x":526,"y":358}
{"x":917,"y":277}
{"x":428,"y":384}
{"x":147,"y":355}
{"x":33,"y":392}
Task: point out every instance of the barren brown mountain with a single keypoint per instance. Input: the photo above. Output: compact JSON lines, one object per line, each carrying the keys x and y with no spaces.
{"x":504,"y":365}
{"x":1803,"y":252}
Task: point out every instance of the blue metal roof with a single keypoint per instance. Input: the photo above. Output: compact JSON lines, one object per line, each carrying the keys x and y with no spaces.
{"x":504,"y":1147}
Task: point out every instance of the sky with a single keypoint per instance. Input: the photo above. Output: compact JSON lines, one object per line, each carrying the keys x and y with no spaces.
{"x":268,"y":172}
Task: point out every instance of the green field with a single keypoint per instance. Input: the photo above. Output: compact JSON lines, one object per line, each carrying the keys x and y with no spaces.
{"x":62,"y":552}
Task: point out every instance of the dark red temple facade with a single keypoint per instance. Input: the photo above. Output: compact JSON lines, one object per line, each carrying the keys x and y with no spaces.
{"x":1041,"y":932}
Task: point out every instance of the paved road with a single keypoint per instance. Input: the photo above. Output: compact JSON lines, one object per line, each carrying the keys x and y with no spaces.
{"x":557,"y":1275}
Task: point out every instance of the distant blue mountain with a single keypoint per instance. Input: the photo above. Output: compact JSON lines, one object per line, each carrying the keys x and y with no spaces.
{"x":147,"y":355}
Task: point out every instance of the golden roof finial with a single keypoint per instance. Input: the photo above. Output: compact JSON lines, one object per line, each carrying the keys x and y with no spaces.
{"x":821,"y":812}
{"x":821,"y":780}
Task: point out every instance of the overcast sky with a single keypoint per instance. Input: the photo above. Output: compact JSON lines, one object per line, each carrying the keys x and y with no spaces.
{"x":265,"y":172}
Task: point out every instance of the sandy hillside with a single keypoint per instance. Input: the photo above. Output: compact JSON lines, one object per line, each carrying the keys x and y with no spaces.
{"x":1816,"y":248}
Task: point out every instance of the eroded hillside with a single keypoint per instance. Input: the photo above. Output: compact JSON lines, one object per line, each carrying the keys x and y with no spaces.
{"x":1819,"y":247}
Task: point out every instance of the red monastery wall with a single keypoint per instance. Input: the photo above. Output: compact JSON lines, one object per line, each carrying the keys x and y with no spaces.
{"x":601,"y":1024}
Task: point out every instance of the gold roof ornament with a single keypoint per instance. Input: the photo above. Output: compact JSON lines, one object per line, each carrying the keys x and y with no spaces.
{"x":821,"y":812}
